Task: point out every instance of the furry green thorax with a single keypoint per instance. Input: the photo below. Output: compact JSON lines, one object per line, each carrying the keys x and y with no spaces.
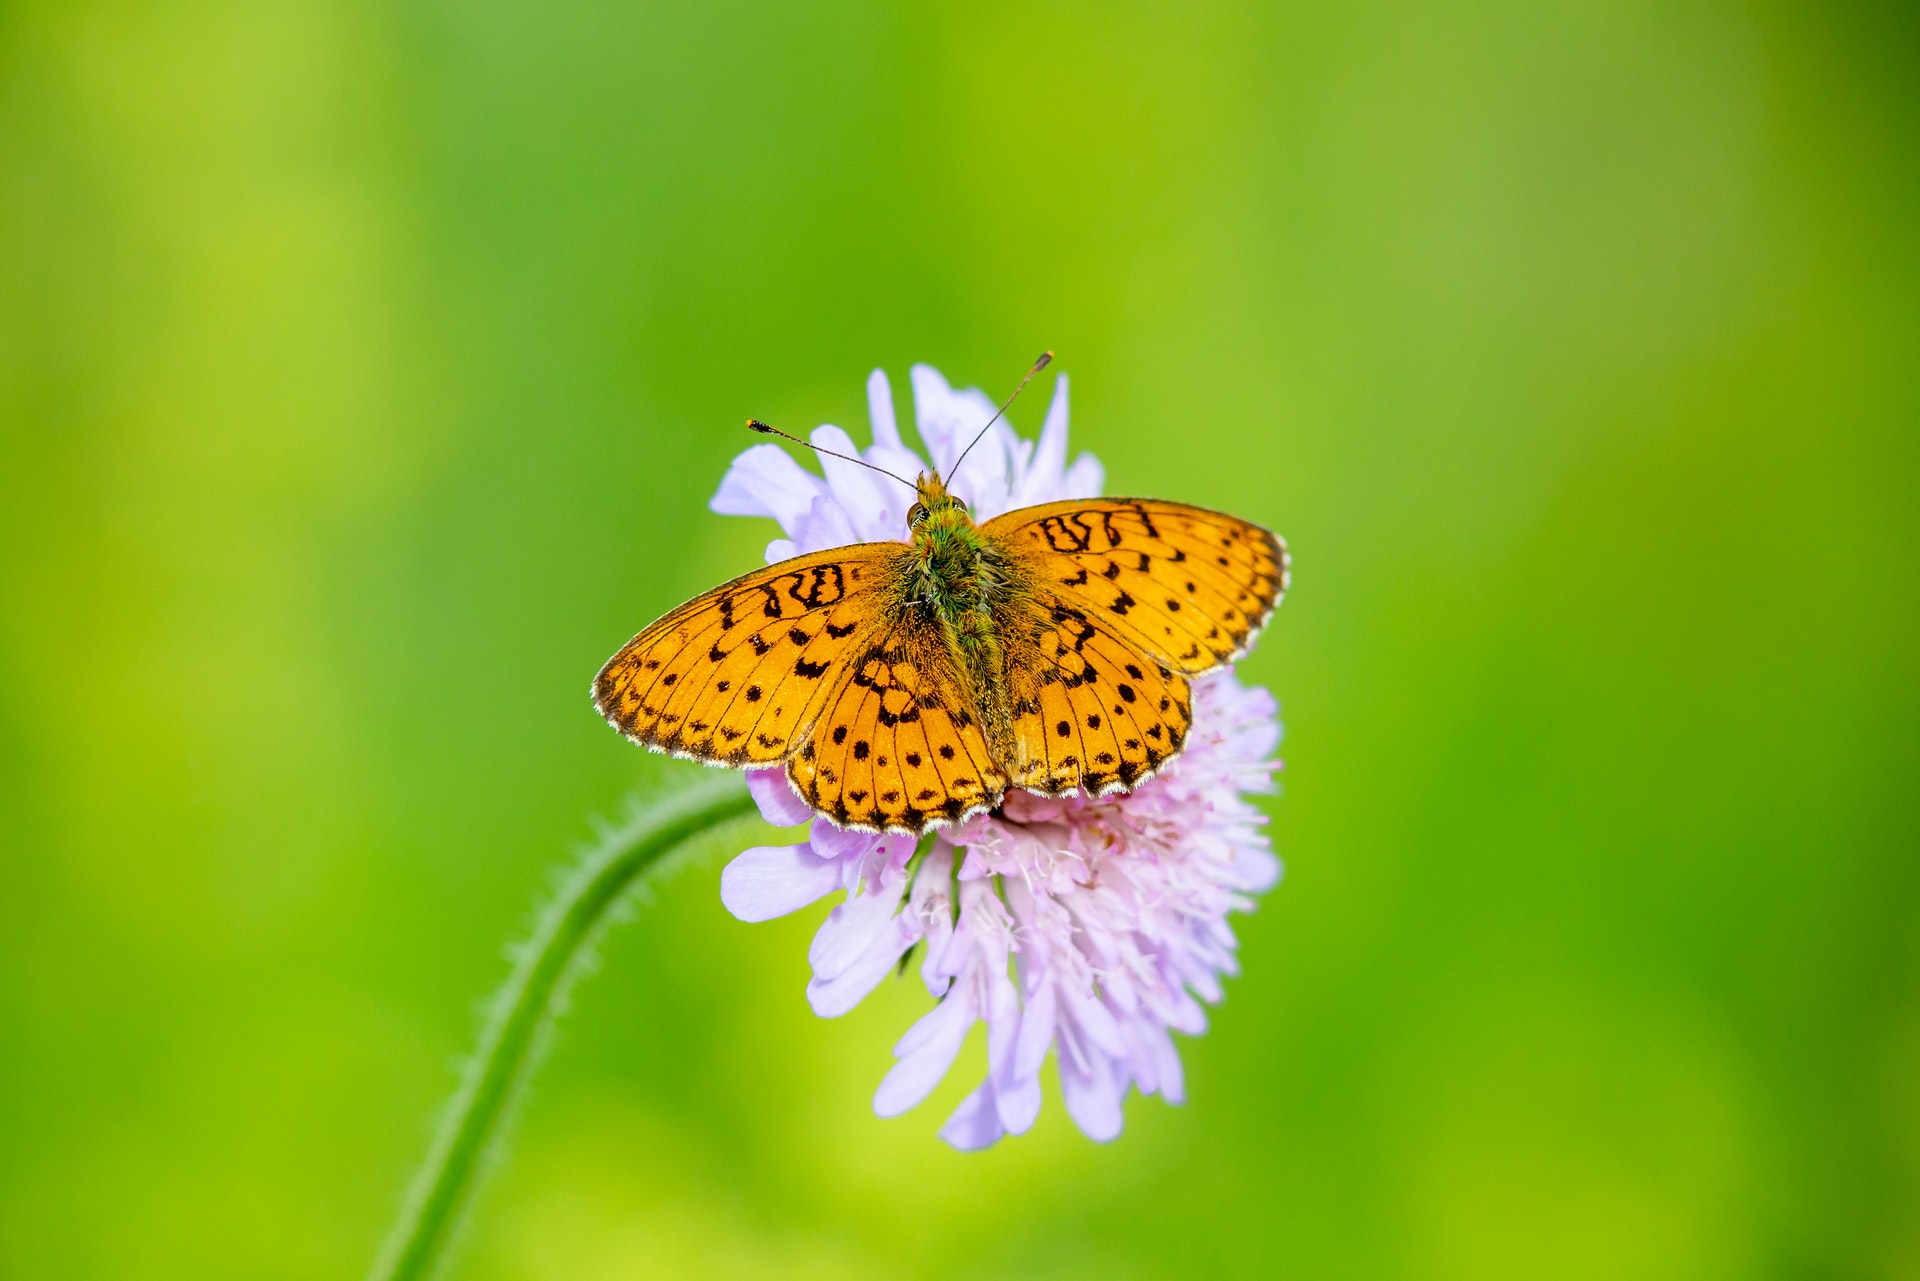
{"x":963,"y":579}
{"x":955,"y":564}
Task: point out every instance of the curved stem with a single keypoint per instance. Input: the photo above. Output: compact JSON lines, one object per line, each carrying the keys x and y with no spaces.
{"x":524,"y":1011}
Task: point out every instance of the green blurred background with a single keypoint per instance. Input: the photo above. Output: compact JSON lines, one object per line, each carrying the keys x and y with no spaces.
{"x":365,"y":371}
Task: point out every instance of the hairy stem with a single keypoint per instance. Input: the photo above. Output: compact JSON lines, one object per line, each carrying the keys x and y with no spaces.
{"x":525,"y":1008}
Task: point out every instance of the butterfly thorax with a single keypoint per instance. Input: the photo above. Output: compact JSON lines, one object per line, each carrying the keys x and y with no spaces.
{"x":949,"y":554}
{"x":964,"y":581}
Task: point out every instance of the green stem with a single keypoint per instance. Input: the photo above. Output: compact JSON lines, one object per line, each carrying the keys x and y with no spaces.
{"x":525,"y":1009}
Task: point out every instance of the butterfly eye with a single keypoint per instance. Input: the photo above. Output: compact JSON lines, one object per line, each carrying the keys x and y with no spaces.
{"x":961,"y":503}
{"x":916,"y":514}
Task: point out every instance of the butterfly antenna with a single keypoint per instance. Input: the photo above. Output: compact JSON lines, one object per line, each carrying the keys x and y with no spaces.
{"x":1046,"y":358}
{"x":754,"y":424}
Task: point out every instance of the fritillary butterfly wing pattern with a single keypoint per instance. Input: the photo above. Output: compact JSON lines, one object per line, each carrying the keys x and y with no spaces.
{"x":900,"y":747}
{"x":737,"y":676}
{"x":1188,"y":585}
{"x":839,"y":664}
{"x":1137,"y":594}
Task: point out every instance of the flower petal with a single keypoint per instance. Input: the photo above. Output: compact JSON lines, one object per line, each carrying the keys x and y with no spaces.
{"x":937,"y":418}
{"x":1255,"y":869}
{"x":886,"y":429}
{"x":1016,"y":1096}
{"x":1036,"y":1033}
{"x":975,"y":1124}
{"x":1093,"y":1098}
{"x":926,"y":1053}
{"x":1168,"y":1069}
{"x":773,"y":880}
{"x":1084,"y":479}
{"x":1043,"y":474}
{"x":765,"y":481}
{"x":838,"y":842}
{"x":779,"y":804}
{"x":849,"y":930}
{"x":1092,"y":1017}
{"x":824,"y":524}
{"x":833,"y":997}
{"x":1018,"y":1103}
{"x":856,"y":490}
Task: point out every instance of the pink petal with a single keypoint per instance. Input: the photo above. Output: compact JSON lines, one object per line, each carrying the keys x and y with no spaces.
{"x":833,"y":997}
{"x":856,"y":489}
{"x":1016,"y":1098}
{"x":934,"y":416}
{"x":772,"y":880}
{"x":1169,"y":1070}
{"x":838,"y":842}
{"x":1084,"y":479}
{"x":824,"y":524}
{"x":932,"y":905}
{"x":975,"y":1124}
{"x":1036,"y":1033}
{"x":765,"y":481}
{"x":778,"y":802}
{"x":1092,"y":1017}
{"x":949,"y":950}
{"x":1188,"y":1015}
{"x":886,"y":430}
{"x":1255,"y":870}
{"x":1018,"y":1103}
{"x":926,"y":1052}
{"x":1047,"y":469}
{"x":907,"y":465}
{"x":1093,"y":1098}
{"x":849,"y":929}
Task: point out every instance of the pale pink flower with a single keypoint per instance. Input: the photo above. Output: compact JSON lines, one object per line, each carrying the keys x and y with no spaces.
{"x":1091,"y":927}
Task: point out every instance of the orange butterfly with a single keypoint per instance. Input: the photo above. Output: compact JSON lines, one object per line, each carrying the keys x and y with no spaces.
{"x":907,"y":685}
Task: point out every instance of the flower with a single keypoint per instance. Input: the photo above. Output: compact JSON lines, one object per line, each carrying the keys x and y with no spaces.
{"x":1091,"y":927}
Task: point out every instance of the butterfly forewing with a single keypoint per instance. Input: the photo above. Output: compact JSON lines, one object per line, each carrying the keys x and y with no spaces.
{"x":899,"y":745}
{"x":1183,"y":584}
{"x":738,"y":675}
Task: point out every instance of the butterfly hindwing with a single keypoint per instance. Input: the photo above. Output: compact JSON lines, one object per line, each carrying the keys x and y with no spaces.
{"x":899,"y":745}
{"x":1185,"y":584}
{"x":736,"y":676}
{"x":1090,"y":711}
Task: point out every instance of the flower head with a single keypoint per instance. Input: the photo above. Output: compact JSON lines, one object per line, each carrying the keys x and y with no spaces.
{"x":1093,"y":927}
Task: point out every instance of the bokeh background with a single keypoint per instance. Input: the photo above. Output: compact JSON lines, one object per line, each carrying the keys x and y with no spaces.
{"x":364,"y":373}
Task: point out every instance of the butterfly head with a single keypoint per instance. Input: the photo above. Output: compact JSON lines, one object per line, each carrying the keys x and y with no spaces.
{"x":935,"y":507}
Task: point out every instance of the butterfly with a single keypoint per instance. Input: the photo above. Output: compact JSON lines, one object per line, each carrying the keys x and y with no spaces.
{"x":908,"y":685}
